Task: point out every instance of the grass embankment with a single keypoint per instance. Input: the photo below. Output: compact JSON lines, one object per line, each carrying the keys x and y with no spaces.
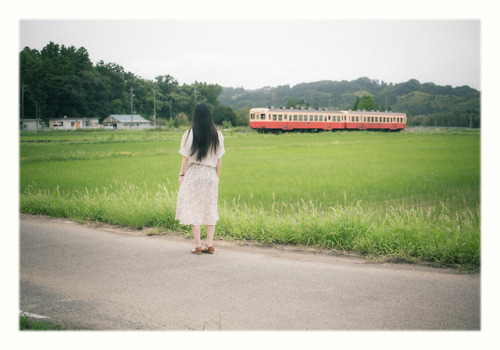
{"x":406,"y":196}
{"x":27,"y":324}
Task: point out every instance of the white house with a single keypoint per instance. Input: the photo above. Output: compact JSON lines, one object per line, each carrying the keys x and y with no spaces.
{"x":73,"y":123}
{"x":126,"y":121}
{"x":31,"y":124}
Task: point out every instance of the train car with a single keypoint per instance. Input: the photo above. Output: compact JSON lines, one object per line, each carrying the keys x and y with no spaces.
{"x":371,"y":120}
{"x":285,"y":119}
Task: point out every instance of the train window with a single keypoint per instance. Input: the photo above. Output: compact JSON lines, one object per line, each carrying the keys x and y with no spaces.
{"x":285,"y":117}
{"x":315,"y":118}
{"x":310,"y":118}
{"x":300,"y":117}
{"x":263,"y":116}
{"x":320,"y":118}
{"x":252,"y":116}
{"x":280,"y":117}
{"x":295,"y":117}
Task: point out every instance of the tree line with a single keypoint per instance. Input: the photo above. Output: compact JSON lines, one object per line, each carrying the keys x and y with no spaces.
{"x":425,"y":104}
{"x":61,"y":81}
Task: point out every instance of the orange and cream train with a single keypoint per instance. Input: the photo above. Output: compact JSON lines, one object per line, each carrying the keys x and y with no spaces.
{"x":275,"y":119}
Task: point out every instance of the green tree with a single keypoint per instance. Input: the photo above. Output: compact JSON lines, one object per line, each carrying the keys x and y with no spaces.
{"x":180,"y":120}
{"x":243,"y":116}
{"x":222,"y":113}
{"x":365,"y":103}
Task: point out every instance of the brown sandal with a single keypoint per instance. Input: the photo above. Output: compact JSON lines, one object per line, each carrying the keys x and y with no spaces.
{"x":209,"y":250}
{"x":197,"y":250}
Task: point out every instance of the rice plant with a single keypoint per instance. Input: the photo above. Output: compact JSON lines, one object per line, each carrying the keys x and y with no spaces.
{"x":408,"y":196}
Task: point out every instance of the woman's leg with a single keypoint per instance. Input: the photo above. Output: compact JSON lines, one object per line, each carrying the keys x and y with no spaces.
{"x":210,"y":235}
{"x":196,"y":234}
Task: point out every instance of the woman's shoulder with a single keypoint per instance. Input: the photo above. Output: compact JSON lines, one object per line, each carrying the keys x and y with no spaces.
{"x":220,"y":134}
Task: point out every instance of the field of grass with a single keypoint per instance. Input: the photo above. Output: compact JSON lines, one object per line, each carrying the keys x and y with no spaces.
{"x":409,"y":195}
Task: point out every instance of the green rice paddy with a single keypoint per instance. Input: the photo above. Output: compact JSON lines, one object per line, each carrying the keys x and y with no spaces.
{"x":412,"y":196}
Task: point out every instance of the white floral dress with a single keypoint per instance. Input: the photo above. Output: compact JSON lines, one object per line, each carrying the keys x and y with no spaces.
{"x":199,"y":190}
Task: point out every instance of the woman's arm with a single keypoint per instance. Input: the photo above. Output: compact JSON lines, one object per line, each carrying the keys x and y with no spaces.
{"x":184,"y":164}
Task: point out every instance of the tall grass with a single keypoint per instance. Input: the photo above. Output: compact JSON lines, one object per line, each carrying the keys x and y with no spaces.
{"x":411,"y":196}
{"x":429,"y":234}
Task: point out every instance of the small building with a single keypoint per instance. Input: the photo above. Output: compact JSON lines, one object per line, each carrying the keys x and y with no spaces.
{"x":73,"y":123}
{"x":32,"y":124}
{"x":126,"y":121}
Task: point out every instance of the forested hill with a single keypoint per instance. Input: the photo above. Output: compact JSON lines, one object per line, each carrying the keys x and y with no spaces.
{"x":425,"y":104}
{"x":61,"y":81}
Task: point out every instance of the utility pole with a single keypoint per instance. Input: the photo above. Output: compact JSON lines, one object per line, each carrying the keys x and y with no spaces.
{"x":131,"y":104}
{"x":36,"y":114}
{"x":154,"y":108}
{"x":22,"y":105}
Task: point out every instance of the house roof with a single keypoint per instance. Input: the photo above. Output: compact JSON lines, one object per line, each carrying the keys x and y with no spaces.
{"x":126,"y":118}
{"x":74,"y":118}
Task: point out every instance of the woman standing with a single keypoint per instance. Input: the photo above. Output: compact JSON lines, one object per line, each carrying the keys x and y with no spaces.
{"x":202,"y":147}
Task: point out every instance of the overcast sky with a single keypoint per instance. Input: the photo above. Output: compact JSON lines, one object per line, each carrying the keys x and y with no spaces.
{"x":257,"y":53}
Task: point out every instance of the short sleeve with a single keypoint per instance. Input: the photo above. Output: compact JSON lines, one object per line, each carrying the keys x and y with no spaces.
{"x":220,"y":149}
{"x":186,"y":142}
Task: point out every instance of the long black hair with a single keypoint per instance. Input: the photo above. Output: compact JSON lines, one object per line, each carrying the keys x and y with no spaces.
{"x":205,"y":136}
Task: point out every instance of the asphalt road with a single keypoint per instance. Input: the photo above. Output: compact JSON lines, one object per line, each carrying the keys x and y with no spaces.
{"x":100,"y":278}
